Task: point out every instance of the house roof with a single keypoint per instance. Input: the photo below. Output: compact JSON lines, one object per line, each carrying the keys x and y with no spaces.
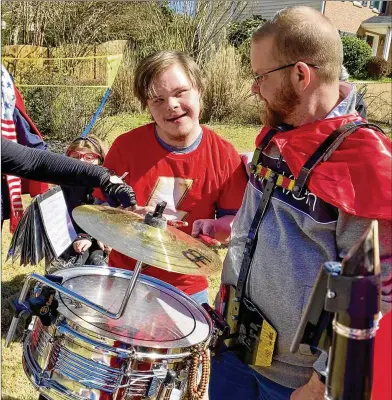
{"x":378,"y":19}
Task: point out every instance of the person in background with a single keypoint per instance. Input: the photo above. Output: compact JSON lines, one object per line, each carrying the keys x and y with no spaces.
{"x":177,"y":160}
{"x":360,"y":105}
{"x":297,"y":213}
{"x":85,"y":249}
{"x":21,"y":161}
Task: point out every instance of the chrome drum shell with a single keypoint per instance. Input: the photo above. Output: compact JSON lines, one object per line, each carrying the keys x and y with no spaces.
{"x":84,"y":355}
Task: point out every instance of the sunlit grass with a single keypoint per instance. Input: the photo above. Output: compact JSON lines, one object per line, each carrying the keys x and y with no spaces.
{"x":14,"y":383}
{"x":242,"y":137}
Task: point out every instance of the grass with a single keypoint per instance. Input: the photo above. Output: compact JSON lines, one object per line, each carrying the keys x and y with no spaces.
{"x":384,"y":79}
{"x":242,"y":137}
{"x":15,"y":385}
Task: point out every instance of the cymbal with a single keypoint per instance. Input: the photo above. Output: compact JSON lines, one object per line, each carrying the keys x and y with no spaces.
{"x":169,"y":249}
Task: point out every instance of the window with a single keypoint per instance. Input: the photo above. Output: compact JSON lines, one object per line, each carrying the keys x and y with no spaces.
{"x":381,"y":6}
{"x":375,"y":4}
{"x":370,"y":40}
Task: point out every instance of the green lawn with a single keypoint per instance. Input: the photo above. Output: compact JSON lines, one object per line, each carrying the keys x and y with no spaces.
{"x":241,"y":136}
{"x":15,"y":385}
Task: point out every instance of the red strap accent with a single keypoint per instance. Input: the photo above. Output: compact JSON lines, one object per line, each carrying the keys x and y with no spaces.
{"x":208,"y":240}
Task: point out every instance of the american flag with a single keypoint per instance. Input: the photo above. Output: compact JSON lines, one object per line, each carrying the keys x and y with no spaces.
{"x":8,"y":132}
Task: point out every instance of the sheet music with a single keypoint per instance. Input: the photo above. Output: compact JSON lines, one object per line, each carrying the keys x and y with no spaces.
{"x":57,"y":221}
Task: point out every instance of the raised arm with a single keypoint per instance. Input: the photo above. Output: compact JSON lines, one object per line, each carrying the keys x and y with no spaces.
{"x":53,"y":168}
{"x":48,"y":167}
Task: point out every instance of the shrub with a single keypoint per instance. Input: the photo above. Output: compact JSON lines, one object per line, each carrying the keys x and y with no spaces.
{"x":240,"y":34}
{"x":72,"y":110}
{"x":61,"y":113}
{"x":356,"y":53}
{"x":121,"y":98}
{"x":249,"y":111}
{"x":226,"y":85}
{"x":38,"y":102}
{"x":376,"y":67}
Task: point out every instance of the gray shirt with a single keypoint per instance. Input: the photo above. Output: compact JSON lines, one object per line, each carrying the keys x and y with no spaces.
{"x":296,"y":236}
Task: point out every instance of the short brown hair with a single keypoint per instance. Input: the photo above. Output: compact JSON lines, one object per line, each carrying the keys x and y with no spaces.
{"x":304,"y":34}
{"x":154,"y":64}
{"x":92,"y":143}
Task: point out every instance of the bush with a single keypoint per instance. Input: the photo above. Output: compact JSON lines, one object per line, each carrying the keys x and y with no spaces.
{"x":122,"y":99}
{"x":226,"y":85}
{"x":376,"y":67}
{"x":61,"y":113}
{"x":356,"y":53}
{"x":38,"y":102}
{"x":240,"y":34}
{"x":249,"y":111}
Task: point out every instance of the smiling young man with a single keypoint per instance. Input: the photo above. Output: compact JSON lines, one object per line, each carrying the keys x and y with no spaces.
{"x":175,"y":159}
{"x":281,"y":234}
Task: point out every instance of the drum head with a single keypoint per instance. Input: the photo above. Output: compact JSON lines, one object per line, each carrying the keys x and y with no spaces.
{"x":157,"y":315}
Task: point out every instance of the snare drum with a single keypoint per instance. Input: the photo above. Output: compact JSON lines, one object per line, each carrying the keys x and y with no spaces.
{"x":145,"y":354}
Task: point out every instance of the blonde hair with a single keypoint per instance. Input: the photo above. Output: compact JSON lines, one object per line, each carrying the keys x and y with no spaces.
{"x":153,"y":65}
{"x":90,"y":142}
{"x":304,"y":34}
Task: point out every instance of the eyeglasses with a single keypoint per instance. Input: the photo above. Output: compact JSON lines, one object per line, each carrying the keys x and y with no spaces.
{"x":260,"y":77}
{"x":89,"y":157}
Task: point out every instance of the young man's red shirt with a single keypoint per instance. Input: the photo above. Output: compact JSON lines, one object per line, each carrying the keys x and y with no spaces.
{"x":209,"y":180}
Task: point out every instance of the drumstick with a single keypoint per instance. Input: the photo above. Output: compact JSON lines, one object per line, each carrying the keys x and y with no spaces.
{"x":208,"y":240}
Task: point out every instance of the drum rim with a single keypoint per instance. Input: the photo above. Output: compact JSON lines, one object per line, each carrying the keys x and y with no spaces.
{"x":198,"y":313}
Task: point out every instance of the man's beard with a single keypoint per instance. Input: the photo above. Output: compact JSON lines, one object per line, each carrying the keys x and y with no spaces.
{"x":282,"y":108}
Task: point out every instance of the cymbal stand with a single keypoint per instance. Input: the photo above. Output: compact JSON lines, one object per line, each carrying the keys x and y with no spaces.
{"x":68,"y":293}
{"x":156,"y":220}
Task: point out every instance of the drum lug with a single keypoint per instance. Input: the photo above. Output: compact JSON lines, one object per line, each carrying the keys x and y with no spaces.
{"x":167,"y":386}
{"x":24,"y":335}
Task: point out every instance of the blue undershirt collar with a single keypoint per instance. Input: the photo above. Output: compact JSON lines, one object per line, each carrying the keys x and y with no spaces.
{"x":179,"y":150}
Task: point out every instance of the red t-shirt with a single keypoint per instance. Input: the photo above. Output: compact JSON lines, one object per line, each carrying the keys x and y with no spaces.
{"x":195,"y":185}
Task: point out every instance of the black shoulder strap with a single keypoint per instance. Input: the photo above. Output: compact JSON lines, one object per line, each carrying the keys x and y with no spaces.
{"x":324,"y":151}
{"x":264,"y":143}
{"x":251,"y":239}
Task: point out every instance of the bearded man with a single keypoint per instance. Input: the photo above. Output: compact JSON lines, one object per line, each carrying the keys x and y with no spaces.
{"x":297,"y":212}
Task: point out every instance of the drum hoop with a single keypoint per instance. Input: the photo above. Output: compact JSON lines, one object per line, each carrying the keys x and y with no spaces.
{"x":106,"y":336}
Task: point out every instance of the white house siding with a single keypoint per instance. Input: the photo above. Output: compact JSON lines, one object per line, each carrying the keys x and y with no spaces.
{"x":267,"y":8}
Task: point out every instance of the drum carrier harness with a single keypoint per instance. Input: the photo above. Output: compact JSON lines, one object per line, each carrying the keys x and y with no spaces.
{"x":251,"y":336}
